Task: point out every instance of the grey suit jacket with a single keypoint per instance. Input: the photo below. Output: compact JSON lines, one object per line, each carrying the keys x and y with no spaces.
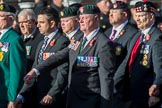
{"x":90,"y":86}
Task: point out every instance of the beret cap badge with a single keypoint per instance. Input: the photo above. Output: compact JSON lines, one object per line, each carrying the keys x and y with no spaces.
{"x":1,"y":7}
{"x":145,"y":8}
{"x":115,"y":5}
{"x":81,"y":9}
{"x":62,"y":13}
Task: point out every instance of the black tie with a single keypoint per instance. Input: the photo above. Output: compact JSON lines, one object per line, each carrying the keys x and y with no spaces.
{"x":83,"y":43}
{"x":40,"y":56}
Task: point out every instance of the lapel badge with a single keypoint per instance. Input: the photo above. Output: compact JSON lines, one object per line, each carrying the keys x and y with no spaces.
{"x":101,"y":18}
{"x":118,"y":50}
{"x":31,"y":36}
{"x":52,"y":42}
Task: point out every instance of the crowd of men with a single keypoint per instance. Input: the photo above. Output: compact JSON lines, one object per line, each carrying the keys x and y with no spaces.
{"x":83,"y":56}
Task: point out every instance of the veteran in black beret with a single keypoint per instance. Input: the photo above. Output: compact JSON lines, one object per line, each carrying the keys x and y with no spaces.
{"x":91,"y":64}
{"x":12,"y":58}
{"x":104,"y":6}
{"x":138,"y":78}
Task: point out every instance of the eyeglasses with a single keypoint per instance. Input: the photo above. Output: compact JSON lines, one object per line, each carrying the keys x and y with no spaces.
{"x":24,"y":22}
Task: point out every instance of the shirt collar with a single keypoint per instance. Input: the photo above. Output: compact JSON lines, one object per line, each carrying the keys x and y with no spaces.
{"x":51,"y":35}
{"x":92,"y":34}
{"x":30,"y":35}
{"x":4,"y":31}
{"x":147,"y":30}
{"x":70,"y":35}
{"x":120,"y":27}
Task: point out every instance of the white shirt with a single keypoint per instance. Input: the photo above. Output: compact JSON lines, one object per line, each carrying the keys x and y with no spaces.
{"x":70,"y":35}
{"x":91,"y":36}
{"x":4,"y":31}
{"x":118,"y":29}
{"x":50,"y":36}
{"x":28,"y":36}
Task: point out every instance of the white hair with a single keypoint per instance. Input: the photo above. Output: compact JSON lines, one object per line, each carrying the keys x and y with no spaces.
{"x":29,"y":12}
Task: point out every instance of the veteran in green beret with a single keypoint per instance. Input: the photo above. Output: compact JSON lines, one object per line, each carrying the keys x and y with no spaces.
{"x":91,"y":64}
{"x":70,"y":22}
{"x":12,"y":58}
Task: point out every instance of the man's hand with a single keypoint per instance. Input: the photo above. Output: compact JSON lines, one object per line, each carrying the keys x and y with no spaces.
{"x":153,"y":100}
{"x":18,"y":103}
{"x":47,"y":100}
{"x":11,"y":105}
{"x":30,"y":76}
{"x":154,"y":90}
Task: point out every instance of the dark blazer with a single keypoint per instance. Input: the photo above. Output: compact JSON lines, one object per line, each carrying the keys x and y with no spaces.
{"x":121,"y":42}
{"x":145,"y":70}
{"x":31,"y":47}
{"x":90,"y":83}
{"x":45,"y":81}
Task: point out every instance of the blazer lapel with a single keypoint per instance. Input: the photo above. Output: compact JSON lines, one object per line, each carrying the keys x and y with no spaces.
{"x":75,"y":53}
{"x":88,"y":46}
{"x":51,"y":44}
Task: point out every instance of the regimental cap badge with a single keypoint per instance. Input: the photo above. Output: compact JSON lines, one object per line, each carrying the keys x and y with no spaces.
{"x":115,"y":5}
{"x":1,"y":7}
{"x":145,"y":8}
{"x":62,"y":13}
{"x":81,"y":9}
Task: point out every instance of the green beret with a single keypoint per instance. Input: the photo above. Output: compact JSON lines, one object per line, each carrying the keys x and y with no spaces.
{"x":68,"y":12}
{"x":5,"y":7}
{"x":89,"y":9}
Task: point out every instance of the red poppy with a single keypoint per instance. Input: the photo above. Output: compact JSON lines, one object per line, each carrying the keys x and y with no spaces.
{"x":122,"y":32}
{"x":148,"y":37}
{"x":52,"y":42}
{"x":92,"y":42}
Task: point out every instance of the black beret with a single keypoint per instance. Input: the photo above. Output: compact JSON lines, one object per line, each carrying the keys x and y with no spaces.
{"x":119,"y":5}
{"x":89,"y":9}
{"x":145,"y":7}
{"x":5,"y":7}
{"x":68,"y":12}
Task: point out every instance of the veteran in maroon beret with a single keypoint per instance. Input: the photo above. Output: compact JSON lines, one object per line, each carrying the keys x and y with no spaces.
{"x":138,"y":78}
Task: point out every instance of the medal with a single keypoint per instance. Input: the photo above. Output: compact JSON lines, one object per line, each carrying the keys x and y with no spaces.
{"x":1,"y":56}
